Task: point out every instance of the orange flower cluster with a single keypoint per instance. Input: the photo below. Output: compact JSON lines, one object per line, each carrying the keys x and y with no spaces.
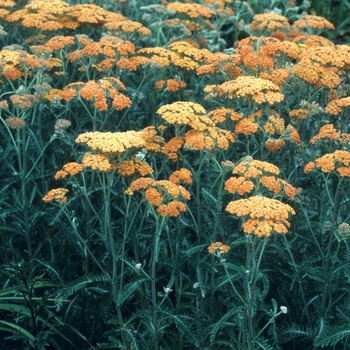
{"x":98,"y":92}
{"x":277,"y":76}
{"x":23,"y":101}
{"x":268,"y":23}
{"x":327,"y":131}
{"x":335,"y":107}
{"x":72,"y":169}
{"x":220,"y":62}
{"x":249,"y":88}
{"x":200,"y":139}
{"x":221,"y":114}
{"x":172,"y":85}
{"x":57,"y":195}
{"x":312,"y":21}
{"x":127,"y":28}
{"x":275,"y":124}
{"x":339,"y":161}
{"x":109,"y":47}
{"x":240,"y":185}
{"x":133,"y":166}
{"x":153,"y":142}
{"x":218,"y":248}
{"x":97,"y":162}
{"x":59,"y":42}
{"x":274,"y":145}
{"x":299,"y":113}
{"x":183,"y":175}
{"x":15,"y":123}
{"x":183,"y":113}
{"x":192,"y":10}
{"x":171,"y":148}
{"x":112,"y":142}
{"x":315,"y":74}
{"x":251,"y":168}
{"x":263,"y":174}
{"x":265,"y":215}
{"x":163,"y":194}
{"x":11,"y":73}
{"x":57,"y":14}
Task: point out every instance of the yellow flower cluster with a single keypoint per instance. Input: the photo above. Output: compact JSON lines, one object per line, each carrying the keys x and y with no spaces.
{"x":112,"y":142}
{"x":182,"y":113}
{"x":248,"y":87}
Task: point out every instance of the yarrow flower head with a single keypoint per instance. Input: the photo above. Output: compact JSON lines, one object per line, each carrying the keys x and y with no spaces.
{"x":166,"y":195}
{"x":15,"y":123}
{"x":108,"y":142}
{"x":57,"y":195}
{"x":218,"y":249}
{"x":248,"y":87}
{"x":263,"y":215}
{"x":339,"y":161}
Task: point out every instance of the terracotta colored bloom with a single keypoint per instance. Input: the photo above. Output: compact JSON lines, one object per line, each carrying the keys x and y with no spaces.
{"x":221,"y":114}
{"x":327,"y":131}
{"x":312,"y":21}
{"x":4,"y":104}
{"x":153,"y":142}
{"x":11,"y":73}
{"x":172,"y":85}
{"x":309,"y":167}
{"x":108,"y":142}
{"x":182,"y":175}
{"x":15,"y":123}
{"x":133,"y":166}
{"x":292,"y":134}
{"x":277,"y":76}
{"x":331,"y":161}
{"x":335,"y":107}
{"x":263,"y":215}
{"x":277,"y":186}
{"x":97,"y":162}
{"x":246,"y":127}
{"x":23,"y":101}
{"x":198,"y":140}
{"x":163,"y":194}
{"x":172,"y":146}
{"x":59,"y":42}
{"x":274,"y":124}
{"x":173,"y":208}
{"x":153,"y":196}
{"x":240,"y":185}
{"x":57,"y":195}
{"x":299,"y":113}
{"x":253,"y":168}
{"x":218,"y":248}
{"x":274,"y":145}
